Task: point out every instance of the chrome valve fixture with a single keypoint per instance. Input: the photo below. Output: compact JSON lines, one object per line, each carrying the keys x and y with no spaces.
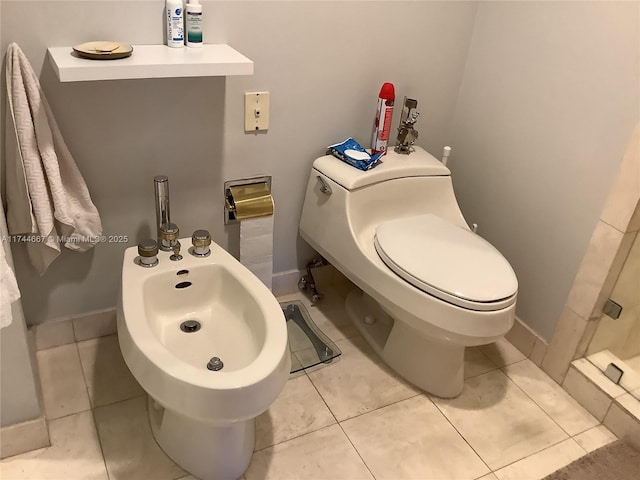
{"x":201,"y":239}
{"x":148,"y":253}
{"x":163,"y":214}
{"x":407,"y":134}
{"x":169,"y":233}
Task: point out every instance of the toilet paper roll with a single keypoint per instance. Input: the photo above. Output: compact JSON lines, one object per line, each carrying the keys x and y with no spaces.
{"x":256,"y":247}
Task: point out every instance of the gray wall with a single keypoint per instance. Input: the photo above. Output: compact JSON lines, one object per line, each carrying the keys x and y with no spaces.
{"x":18,"y":394}
{"x":544,"y":96}
{"x":18,"y":397}
{"x":546,"y":110}
{"x":323,"y":63}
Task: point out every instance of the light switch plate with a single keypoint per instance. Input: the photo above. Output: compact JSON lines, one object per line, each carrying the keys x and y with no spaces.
{"x":256,"y":111}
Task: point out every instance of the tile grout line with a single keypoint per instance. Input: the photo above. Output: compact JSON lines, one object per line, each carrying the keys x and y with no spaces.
{"x":310,"y":431}
{"x":84,"y":377}
{"x":356,"y":450}
{"x":380,"y":408}
{"x":322,"y":398}
{"x":533,"y":453}
{"x":119,"y":401}
{"x":304,"y":371}
{"x":93,"y":416}
{"x":607,"y":412}
{"x":73,"y":329}
{"x":93,"y":407}
{"x":460,"y":434}
{"x":378,"y":363}
{"x":342,"y":430}
{"x":48,"y":418}
{"x":477,"y":347}
{"x":540,"y":451}
{"x":569,"y":436}
{"x":541,"y":408}
{"x":67,"y":415}
{"x":488,"y":371}
{"x":295,"y":437}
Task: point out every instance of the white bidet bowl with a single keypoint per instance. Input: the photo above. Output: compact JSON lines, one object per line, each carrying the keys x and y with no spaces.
{"x":203,"y":419}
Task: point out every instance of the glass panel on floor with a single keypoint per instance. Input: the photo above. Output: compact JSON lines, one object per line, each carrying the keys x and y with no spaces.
{"x":308,"y":345}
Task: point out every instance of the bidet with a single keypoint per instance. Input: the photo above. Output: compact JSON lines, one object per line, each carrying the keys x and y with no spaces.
{"x":208,"y":342}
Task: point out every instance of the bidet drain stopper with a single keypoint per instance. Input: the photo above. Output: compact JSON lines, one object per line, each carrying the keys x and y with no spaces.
{"x":215,"y":364}
{"x":190,"y":326}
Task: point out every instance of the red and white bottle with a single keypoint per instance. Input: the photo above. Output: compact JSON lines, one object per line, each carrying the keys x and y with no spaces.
{"x":384,"y":114}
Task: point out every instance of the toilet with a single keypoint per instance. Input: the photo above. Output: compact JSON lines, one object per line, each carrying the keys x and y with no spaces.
{"x":208,"y":342}
{"x":428,"y":285}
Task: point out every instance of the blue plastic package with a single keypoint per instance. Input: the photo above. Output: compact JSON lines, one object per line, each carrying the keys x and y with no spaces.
{"x":351,"y":152}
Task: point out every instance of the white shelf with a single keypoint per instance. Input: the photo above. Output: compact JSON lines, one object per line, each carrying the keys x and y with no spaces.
{"x":152,"y":61}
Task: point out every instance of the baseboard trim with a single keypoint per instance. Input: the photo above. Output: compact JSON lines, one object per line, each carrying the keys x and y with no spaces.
{"x":286,"y":282}
{"x":75,"y":328}
{"x":23,"y":437}
{"x":527,"y":341}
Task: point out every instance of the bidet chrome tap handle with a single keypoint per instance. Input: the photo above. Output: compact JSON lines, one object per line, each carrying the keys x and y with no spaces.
{"x":324,"y":186}
{"x":201,"y":239}
{"x":148,"y":253}
{"x":169,"y":233}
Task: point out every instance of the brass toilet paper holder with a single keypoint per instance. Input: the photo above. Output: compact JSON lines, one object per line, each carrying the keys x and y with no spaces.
{"x":247,"y":198}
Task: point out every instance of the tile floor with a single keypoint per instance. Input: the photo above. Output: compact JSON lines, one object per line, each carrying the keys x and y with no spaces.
{"x":349,"y":420}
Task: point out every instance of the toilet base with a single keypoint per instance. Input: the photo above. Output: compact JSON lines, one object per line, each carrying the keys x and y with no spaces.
{"x":436,"y":367}
{"x":206,"y":451}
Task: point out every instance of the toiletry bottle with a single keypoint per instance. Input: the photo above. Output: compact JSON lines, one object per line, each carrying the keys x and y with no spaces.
{"x":384,"y":114}
{"x":175,"y":23}
{"x":194,"y":23}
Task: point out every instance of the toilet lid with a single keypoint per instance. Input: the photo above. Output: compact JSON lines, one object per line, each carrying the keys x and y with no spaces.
{"x":447,"y":261}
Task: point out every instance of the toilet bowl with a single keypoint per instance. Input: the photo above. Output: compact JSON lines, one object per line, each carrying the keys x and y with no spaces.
{"x":429,"y":285}
{"x":173,"y":319}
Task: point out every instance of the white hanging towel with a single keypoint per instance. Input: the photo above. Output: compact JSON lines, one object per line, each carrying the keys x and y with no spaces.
{"x":9,"y":292}
{"x":47,"y":197}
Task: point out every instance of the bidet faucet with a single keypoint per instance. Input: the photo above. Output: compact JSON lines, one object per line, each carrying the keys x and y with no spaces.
{"x":163,"y":215}
{"x":169,"y":237}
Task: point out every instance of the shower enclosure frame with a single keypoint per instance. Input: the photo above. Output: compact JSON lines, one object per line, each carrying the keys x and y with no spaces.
{"x":601,"y":265}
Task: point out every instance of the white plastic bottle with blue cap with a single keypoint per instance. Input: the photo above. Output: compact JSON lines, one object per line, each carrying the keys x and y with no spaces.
{"x":175,"y":23}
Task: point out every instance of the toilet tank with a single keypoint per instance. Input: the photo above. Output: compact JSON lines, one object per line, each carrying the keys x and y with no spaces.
{"x":403,"y":185}
{"x":419,"y":163}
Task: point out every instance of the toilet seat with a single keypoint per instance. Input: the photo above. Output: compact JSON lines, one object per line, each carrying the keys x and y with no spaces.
{"x":447,"y":261}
